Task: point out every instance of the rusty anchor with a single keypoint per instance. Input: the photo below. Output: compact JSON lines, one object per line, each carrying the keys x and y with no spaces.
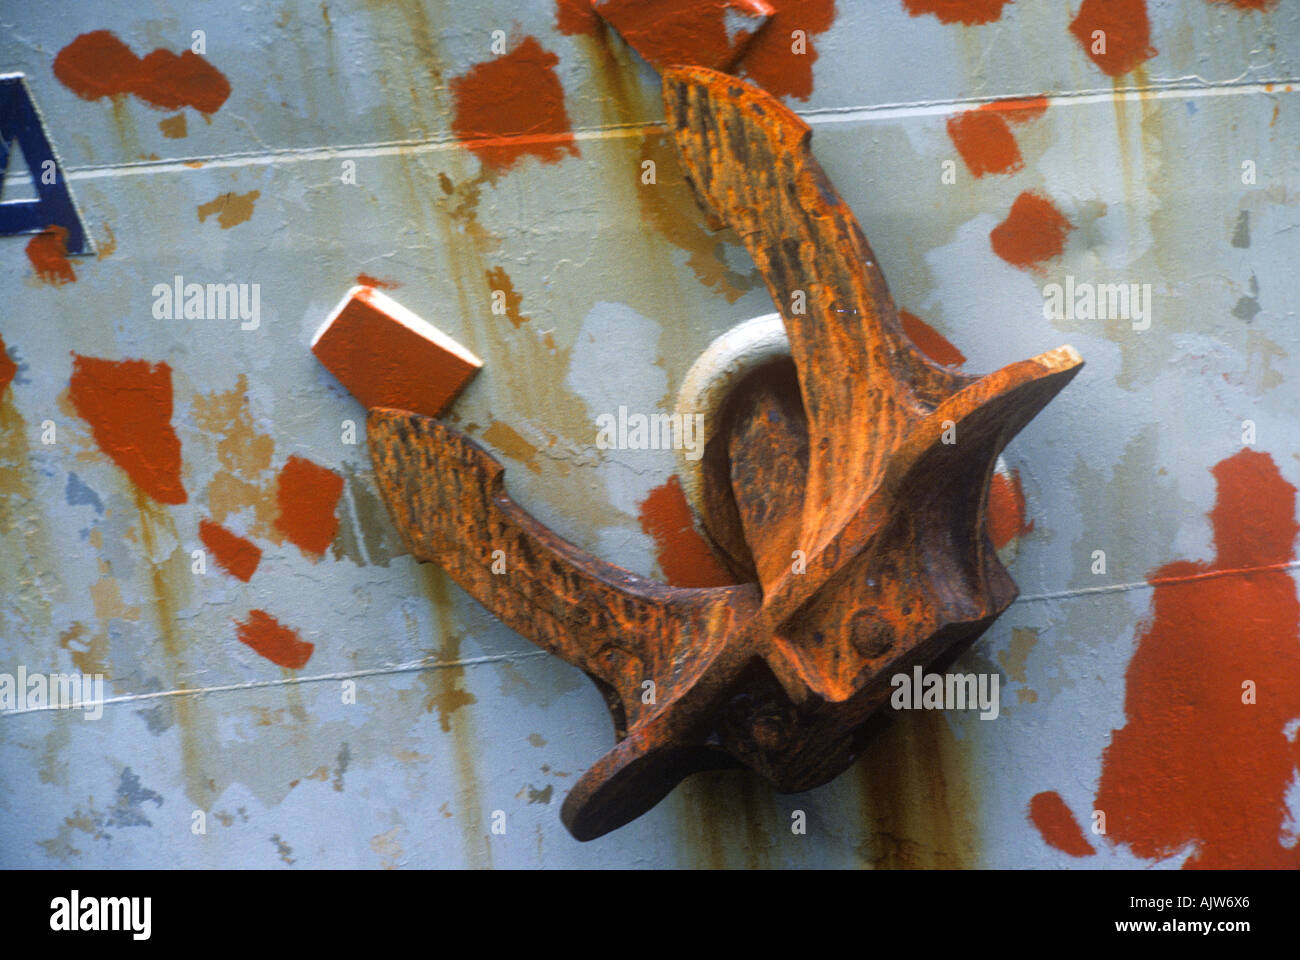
{"x":859,"y":458}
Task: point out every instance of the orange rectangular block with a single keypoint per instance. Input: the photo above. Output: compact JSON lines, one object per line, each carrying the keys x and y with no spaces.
{"x":389,"y":357}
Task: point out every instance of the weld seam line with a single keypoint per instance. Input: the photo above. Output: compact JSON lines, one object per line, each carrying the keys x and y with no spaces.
{"x":1163,"y":581}
{"x":823,"y":116}
{"x":415,"y":667}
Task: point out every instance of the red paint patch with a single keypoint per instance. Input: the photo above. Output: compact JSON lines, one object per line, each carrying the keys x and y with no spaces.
{"x":686,"y":32}
{"x":48,"y":252}
{"x":770,"y":60}
{"x":308,"y":495}
{"x":684,"y":556}
{"x":1056,"y":823}
{"x":1006,"y":509}
{"x":930,"y":341}
{"x":128,"y":405}
{"x":1125,"y":32}
{"x":576,"y":17}
{"x":274,"y":640}
{"x":968,"y":12}
{"x":237,"y":556}
{"x":513,"y":106}
{"x":366,"y":280}
{"x":8,"y":369}
{"x":388,"y":357}
{"x":985,"y":142}
{"x":98,"y":64}
{"x":1250,"y":4}
{"x":1193,"y":764}
{"x":1033,"y":231}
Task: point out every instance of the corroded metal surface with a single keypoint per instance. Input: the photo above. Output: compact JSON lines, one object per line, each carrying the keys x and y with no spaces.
{"x":617,"y":289}
{"x":879,"y":502}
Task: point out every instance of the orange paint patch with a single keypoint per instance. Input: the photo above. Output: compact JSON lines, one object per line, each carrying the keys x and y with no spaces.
{"x":307,"y":495}
{"x":930,"y":341}
{"x":985,"y":142}
{"x":968,"y":12}
{"x":684,"y":556}
{"x":770,"y":61}
{"x":984,"y":139}
{"x":1194,"y":764}
{"x":128,"y":405}
{"x":388,"y":357}
{"x":499,"y":283}
{"x":98,"y":64}
{"x":8,"y":369}
{"x":1124,"y":41}
{"x":274,"y":640}
{"x":1006,"y":509}
{"x":576,"y":17}
{"x":1033,"y":231}
{"x":237,"y":556}
{"x":48,"y":253}
{"x":1056,"y":823}
{"x":366,"y":280}
{"x":701,"y":33}
{"x":513,"y":106}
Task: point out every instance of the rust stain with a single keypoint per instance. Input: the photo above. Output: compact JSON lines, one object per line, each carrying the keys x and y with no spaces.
{"x":1202,"y":760}
{"x":684,"y":557}
{"x":967,"y":12}
{"x":98,"y":64}
{"x":128,"y":405}
{"x":106,"y":598}
{"x":498,"y":281}
{"x":670,"y":208}
{"x":1125,"y":32}
{"x":231,"y":209}
{"x":273,"y":640}
{"x":308,"y":495}
{"x":506,"y":439}
{"x":243,"y":455}
{"x":513,"y":106}
{"x":1015,"y":658}
{"x":108,"y":246}
{"x":1034,"y":231}
{"x":1048,"y":812}
{"x":167,"y":602}
{"x":240,"y":449}
{"x":447,"y":694}
{"x":48,"y":253}
{"x":1006,"y":509}
{"x":88,"y":651}
{"x":173,"y":128}
{"x":916,"y":799}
